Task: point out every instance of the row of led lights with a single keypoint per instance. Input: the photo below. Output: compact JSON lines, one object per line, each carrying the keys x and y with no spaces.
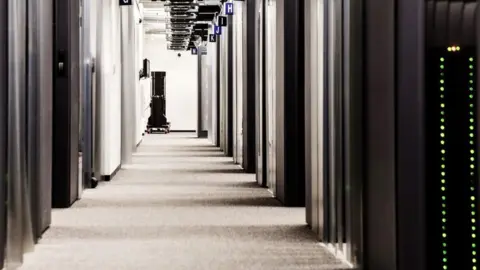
{"x":443,"y":166}
{"x":472,"y":158}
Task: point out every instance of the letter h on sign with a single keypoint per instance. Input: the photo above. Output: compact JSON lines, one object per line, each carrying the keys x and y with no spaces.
{"x":229,"y":8}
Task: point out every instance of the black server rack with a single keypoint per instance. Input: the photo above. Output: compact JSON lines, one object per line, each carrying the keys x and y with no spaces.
{"x":451,"y":137}
{"x":158,"y":119}
{"x":66,"y":104}
{"x":420,"y":207}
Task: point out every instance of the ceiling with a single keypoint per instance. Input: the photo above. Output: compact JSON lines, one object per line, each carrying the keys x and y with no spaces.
{"x":183,"y":22}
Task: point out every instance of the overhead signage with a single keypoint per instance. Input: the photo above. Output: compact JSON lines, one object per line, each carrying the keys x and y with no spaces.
{"x":126,"y":2}
{"x":217,"y":30}
{"x":212,"y":38}
{"x":229,"y":8}
{"x":222,"y":20}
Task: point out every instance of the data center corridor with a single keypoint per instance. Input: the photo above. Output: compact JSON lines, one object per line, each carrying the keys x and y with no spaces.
{"x":181,"y":205}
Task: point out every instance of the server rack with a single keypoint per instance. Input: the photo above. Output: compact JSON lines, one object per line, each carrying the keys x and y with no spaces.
{"x":66,"y":104}
{"x":451,"y":150}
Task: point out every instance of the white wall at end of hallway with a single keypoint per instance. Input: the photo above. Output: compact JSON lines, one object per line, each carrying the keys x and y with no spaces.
{"x":181,"y":81}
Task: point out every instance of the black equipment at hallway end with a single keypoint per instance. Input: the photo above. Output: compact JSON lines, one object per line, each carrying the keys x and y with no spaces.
{"x":158,"y":119}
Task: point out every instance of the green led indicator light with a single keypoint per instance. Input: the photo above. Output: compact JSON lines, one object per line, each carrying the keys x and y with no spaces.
{"x":443,"y":152}
{"x":472,"y":163}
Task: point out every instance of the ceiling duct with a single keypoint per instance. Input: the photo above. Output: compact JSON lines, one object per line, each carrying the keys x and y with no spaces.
{"x":188,"y":22}
{"x":181,"y":16}
{"x":185,"y":23}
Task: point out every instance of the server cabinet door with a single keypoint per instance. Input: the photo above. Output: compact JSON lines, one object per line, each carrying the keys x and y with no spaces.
{"x":66,"y":103}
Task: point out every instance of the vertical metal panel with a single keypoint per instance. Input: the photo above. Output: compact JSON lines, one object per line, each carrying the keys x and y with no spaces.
{"x":270,"y":92}
{"x":314,"y":92}
{"x":100,"y":17}
{"x":260,"y":89}
{"x":19,"y":227}
{"x":380,"y":233}
{"x":333,"y":140}
{"x":86,"y":96}
{"x":338,"y":122}
{"x":321,"y":85}
{"x":218,"y":91}
{"x":309,"y":106}
{"x":45,"y":101}
{"x":316,"y":101}
{"x":228,"y":31}
{"x":233,"y":21}
{"x":213,"y":55}
{"x":238,"y":40}
{"x":222,"y":89}
{"x":205,"y":93}
{"x":411,"y":220}
{"x":39,"y":116}
{"x":199,"y":92}
{"x":354,"y":151}
{"x":128,"y":81}
{"x":241,"y":72}
{"x":3,"y":122}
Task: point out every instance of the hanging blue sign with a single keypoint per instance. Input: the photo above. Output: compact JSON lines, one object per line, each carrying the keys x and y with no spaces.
{"x":217,"y":30}
{"x":229,"y":8}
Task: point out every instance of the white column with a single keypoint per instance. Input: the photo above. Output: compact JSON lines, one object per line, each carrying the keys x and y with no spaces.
{"x":128,"y":82}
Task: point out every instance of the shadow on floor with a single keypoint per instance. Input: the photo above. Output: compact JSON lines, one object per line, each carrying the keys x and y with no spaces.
{"x":187,"y":183}
{"x":279,"y":234}
{"x":188,"y":201}
{"x":180,"y":149}
{"x":169,"y":154}
{"x":175,"y":159}
{"x":179,"y":171}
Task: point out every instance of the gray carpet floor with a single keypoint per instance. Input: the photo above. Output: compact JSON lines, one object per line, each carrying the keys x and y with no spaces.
{"x":180,"y":205}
